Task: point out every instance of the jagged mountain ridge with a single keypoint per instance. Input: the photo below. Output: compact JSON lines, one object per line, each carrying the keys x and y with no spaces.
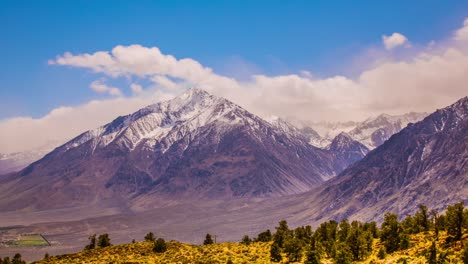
{"x":372,"y":132}
{"x":425,"y":163}
{"x":346,"y":148}
{"x":195,"y":145}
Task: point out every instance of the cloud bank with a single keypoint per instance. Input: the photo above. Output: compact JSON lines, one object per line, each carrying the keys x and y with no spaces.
{"x":427,"y":79}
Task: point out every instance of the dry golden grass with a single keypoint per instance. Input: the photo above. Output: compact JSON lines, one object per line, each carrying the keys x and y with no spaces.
{"x":141,"y":252}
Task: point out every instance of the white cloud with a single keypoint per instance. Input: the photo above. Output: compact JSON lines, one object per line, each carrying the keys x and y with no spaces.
{"x":394,"y":40}
{"x":462,"y":33}
{"x":65,"y":123}
{"x":424,"y":81}
{"x":136,"y":88}
{"x":100,"y":87}
{"x":164,"y":82}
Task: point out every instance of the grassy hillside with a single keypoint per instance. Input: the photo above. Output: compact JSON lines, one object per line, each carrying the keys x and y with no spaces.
{"x":258,"y":252}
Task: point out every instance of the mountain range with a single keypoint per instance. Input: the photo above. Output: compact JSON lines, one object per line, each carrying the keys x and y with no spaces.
{"x":195,"y":145}
{"x":371,"y":132}
{"x":201,"y":158}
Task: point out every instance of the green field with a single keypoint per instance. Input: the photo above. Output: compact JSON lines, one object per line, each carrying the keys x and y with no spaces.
{"x":32,"y":240}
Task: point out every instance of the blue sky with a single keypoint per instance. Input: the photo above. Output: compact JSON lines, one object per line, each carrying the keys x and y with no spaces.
{"x":235,"y":38}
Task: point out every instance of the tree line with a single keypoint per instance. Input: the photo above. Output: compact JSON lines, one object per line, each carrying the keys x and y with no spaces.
{"x":346,"y":242}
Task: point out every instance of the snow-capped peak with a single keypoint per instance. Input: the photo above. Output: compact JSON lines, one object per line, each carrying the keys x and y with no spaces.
{"x":168,"y":120}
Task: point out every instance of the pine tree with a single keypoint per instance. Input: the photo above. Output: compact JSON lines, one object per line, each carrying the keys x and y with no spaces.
{"x":6,"y":260}
{"x":282,"y":233}
{"x":382,"y":254}
{"x":92,"y":242}
{"x":104,"y":241}
{"x":432,"y":257}
{"x":390,"y":232}
{"x":246,"y":240}
{"x":293,"y":249}
{"x":150,"y":237}
{"x":344,"y":230}
{"x":435,"y":222}
{"x":275,"y":253}
{"x":455,"y":220}
{"x":17,"y":259}
{"x":264,"y":236}
{"x":423,"y":218}
{"x":312,"y":257}
{"x":159,"y":246}
{"x":343,"y":255}
{"x":208,"y":240}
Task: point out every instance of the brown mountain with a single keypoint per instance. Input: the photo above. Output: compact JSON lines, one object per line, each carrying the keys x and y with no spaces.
{"x":425,"y":163}
{"x":194,"y":146}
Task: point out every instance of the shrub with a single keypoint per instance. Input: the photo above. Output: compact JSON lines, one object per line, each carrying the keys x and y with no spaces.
{"x":208,"y":240}
{"x":382,"y":254}
{"x":160,"y":246}
{"x":275,"y":253}
{"x":150,"y":237}
{"x":92,"y":242}
{"x":104,"y":241}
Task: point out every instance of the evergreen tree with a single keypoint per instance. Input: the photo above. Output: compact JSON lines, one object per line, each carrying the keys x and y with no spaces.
{"x":6,"y":260}
{"x":264,"y":236}
{"x":343,"y":255}
{"x":92,"y":242}
{"x":303,"y":233}
{"x":390,"y":232}
{"x":275,"y":253}
{"x":293,"y":249}
{"x":17,"y":259}
{"x":382,"y":254}
{"x":357,"y":241}
{"x":104,"y":241}
{"x":404,"y":241}
{"x":208,"y":240}
{"x":344,"y":230}
{"x":455,"y":220}
{"x":423,"y":218}
{"x":246,"y":240}
{"x":312,"y":257}
{"x":371,"y":227}
{"x":159,"y":246}
{"x":282,"y":233}
{"x":229,"y":261}
{"x":46,"y":255}
{"x":326,"y":235}
{"x":410,"y":224}
{"x":432,"y":257}
{"x":150,"y":237}
{"x":435,"y":222}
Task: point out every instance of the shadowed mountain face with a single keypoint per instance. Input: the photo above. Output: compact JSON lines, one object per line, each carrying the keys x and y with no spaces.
{"x":425,"y":163}
{"x":196,"y":145}
{"x":347,"y":149}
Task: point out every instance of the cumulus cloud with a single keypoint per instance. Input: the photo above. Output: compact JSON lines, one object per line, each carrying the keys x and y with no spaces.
{"x":428,"y":79}
{"x":136,"y":88}
{"x":462,"y":33}
{"x":64,"y":123}
{"x":394,"y":40}
{"x":100,"y":87}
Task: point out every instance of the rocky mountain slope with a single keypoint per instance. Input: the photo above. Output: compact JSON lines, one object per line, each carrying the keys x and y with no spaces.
{"x":195,"y":145}
{"x":425,"y":163}
{"x":346,"y":148}
{"x":11,"y":162}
